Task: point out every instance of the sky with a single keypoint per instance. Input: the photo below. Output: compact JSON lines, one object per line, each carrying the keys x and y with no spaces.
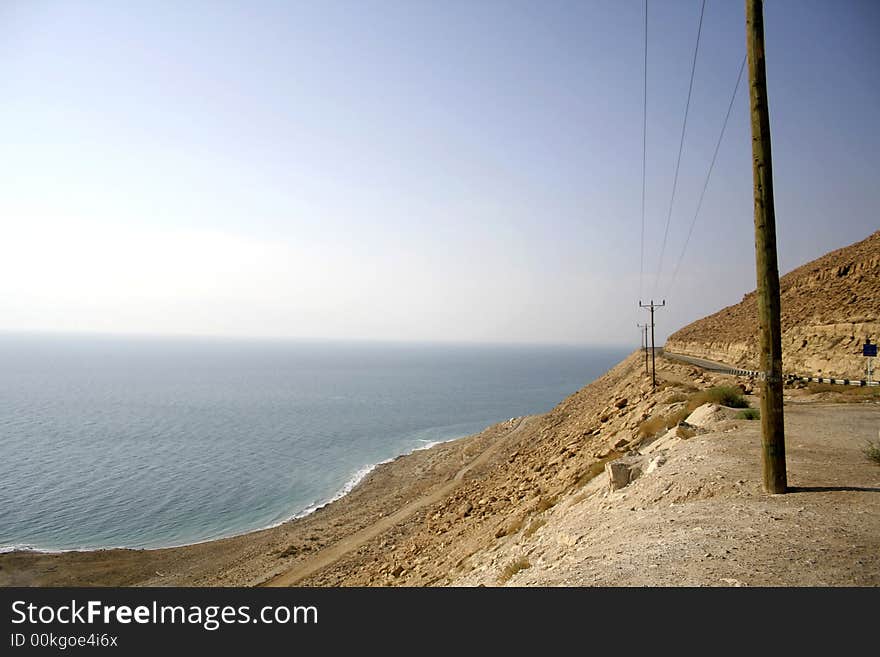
{"x":420,"y":171}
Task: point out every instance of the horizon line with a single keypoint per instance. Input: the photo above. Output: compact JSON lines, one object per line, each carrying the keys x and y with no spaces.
{"x":302,"y":339}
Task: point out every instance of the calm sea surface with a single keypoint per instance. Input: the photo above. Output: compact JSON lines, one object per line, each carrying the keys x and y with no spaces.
{"x":135,"y":442}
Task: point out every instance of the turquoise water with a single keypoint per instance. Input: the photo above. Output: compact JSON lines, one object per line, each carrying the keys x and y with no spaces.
{"x":108,"y":442}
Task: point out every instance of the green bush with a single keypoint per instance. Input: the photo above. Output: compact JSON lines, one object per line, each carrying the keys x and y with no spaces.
{"x":725,"y":395}
{"x":749,"y":414}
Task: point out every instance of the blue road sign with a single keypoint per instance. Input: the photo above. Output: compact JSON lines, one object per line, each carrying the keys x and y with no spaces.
{"x":869,"y":349}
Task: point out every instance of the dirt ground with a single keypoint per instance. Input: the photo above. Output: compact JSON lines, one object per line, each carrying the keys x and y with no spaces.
{"x":702,"y":519}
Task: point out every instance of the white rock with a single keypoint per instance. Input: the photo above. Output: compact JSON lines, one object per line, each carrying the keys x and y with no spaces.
{"x":706,"y":416}
{"x":655,"y":463}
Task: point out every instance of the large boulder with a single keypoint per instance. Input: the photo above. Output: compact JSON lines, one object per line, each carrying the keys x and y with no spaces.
{"x":707,"y":416}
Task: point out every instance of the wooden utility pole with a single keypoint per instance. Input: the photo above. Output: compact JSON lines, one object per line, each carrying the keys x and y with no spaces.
{"x":772,"y":423}
{"x":644,"y":336}
{"x":652,"y":306}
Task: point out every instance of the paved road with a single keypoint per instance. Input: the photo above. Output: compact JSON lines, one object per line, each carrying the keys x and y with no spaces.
{"x":699,"y":362}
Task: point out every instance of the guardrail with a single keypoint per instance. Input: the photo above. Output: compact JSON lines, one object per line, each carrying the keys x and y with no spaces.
{"x":819,"y":379}
{"x":790,"y":378}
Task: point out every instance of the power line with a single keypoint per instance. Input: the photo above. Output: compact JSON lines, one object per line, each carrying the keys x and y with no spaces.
{"x":680,"y":146}
{"x":709,"y":174}
{"x":644,"y":152}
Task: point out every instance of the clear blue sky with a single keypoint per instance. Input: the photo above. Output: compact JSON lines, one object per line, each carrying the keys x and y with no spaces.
{"x":463,"y":171}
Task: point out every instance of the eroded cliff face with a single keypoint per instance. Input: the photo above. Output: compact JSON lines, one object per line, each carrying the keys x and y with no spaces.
{"x":829,"y":306}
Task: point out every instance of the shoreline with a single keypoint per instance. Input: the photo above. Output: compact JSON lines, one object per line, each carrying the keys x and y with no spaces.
{"x":347,"y":488}
{"x":381,"y":489}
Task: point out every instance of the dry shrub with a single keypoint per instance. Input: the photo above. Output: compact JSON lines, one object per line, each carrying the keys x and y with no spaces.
{"x":535,"y":525}
{"x":546,"y":503}
{"x":654,"y":425}
{"x":511,"y":569}
{"x":872,"y":451}
{"x":511,"y":528}
{"x":592,"y":472}
{"x":677,"y":417}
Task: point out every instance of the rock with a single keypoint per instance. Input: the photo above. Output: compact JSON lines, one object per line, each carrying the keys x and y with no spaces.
{"x":706,"y":416}
{"x":618,"y":475}
{"x":624,"y":471}
{"x":620,"y":403}
{"x":398,"y":571}
{"x":666,"y":441}
{"x":684,"y":430}
{"x":655,"y":463}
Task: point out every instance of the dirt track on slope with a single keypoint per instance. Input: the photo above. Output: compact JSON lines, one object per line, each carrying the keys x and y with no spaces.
{"x":332,"y":554}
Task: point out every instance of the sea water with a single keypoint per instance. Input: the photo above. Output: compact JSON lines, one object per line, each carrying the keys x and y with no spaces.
{"x":155,"y":442}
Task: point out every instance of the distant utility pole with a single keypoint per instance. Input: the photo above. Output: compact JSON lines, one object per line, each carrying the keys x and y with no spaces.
{"x":644,"y":336}
{"x":651,"y":306}
{"x":772,"y":423}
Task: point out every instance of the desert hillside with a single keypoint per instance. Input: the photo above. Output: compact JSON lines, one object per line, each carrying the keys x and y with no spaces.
{"x":829,"y":307}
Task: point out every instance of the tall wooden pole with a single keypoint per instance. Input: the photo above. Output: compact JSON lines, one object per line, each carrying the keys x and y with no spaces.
{"x":653,"y":350}
{"x":772,"y":423}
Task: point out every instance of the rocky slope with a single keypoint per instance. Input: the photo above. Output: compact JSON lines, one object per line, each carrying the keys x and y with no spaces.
{"x":552,"y":458}
{"x":829,"y":306}
{"x":599,"y":492}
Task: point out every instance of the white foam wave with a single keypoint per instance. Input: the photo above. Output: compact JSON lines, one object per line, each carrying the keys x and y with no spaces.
{"x":347,"y":487}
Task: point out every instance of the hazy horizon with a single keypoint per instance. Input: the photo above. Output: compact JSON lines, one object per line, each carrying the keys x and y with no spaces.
{"x":452,"y":173}
{"x":48,"y":333}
